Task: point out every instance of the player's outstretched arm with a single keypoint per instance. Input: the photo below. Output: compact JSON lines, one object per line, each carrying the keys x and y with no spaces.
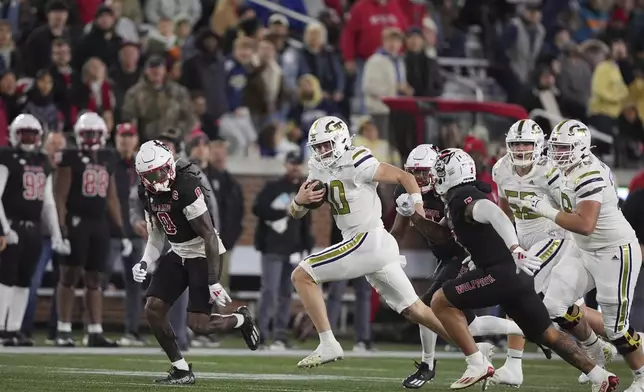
{"x":62,"y":183}
{"x":155,"y":243}
{"x":49,"y":213}
{"x":202,"y":225}
{"x":487,"y":212}
{"x":389,"y":174}
{"x":582,"y":220}
{"x":113,"y":204}
{"x":4,"y":177}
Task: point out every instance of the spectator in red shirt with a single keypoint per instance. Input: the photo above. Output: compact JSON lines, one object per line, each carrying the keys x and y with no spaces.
{"x":478,"y":151}
{"x":362,"y":36}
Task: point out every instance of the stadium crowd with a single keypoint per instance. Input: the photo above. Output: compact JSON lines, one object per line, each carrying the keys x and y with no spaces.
{"x":214,"y":78}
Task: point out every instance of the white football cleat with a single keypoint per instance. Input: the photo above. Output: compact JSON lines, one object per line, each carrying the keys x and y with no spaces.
{"x":608,"y":384}
{"x":637,"y":385}
{"x":508,"y":375}
{"x":602,"y":354}
{"x":474,"y":374}
{"x":326,"y":353}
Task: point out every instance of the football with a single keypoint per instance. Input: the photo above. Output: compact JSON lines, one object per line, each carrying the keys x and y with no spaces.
{"x":317,"y":185}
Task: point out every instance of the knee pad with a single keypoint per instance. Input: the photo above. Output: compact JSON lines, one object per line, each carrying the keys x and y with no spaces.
{"x":628,"y":342}
{"x":570,"y":319}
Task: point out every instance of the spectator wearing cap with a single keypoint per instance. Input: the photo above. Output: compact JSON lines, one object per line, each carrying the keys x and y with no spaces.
{"x":127,"y":141}
{"x":423,"y":72}
{"x":385,"y":76}
{"x":66,"y":81}
{"x":362,"y":37}
{"x":125,"y":74}
{"x":37,"y":49}
{"x":10,"y":57}
{"x":283,"y":243}
{"x":317,"y":59}
{"x":205,"y":72}
{"x":236,"y":126}
{"x":519,"y":48}
{"x":310,"y":106}
{"x":124,"y":27}
{"x":95,"y":92}
{"x":40,"y":102}
{"x":278,"y":26}
{"x":155,"y":104}
{"x":101,"y":41}
{"x":157,"y":9}
{"x":478,"y":151}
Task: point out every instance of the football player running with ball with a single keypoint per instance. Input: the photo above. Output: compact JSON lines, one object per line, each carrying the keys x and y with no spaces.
{"x":607,"y":256}
{"x":502,"y":276}
{"x":449,"y":254}
{"x":351,"y":175}
{"x":174,"y":199}
{"x":521,"y":173}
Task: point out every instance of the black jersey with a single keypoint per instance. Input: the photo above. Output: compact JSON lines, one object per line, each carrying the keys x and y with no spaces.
{"x":435,"y":211}
{"x":91,"y":172}
{"x":484,"y":244}
{"x":168,"y":207}
{"x":25,"y":189}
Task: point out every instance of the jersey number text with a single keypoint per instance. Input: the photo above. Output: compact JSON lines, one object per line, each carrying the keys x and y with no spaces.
{"x":337,"y":198}
{"x":95,"y":183}
{"x":520,"y":212}
{"x":33,"y":185}
{"x":168,"y":225}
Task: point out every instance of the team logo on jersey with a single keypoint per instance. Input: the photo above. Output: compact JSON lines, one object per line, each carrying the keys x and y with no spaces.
{"x":175,"y":195}
{"x":468,"y":200}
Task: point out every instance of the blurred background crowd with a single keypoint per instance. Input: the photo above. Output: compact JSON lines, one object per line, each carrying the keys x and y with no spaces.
{"x":231,"y":78}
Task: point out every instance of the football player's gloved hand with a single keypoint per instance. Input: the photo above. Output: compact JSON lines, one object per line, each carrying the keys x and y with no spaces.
{"x":126,"y":247}
{"x":219,"y":295}
{"x":540,"y":205}
{"x":526,"y":262}
{"x":404,"y":205}
{"x":469,"y":263}
{"x":139,"y":272}
{"x":11,"y":236}
{"x":61,"y":246}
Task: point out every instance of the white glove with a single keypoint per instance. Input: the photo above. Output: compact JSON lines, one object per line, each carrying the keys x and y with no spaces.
{"x":540,"y":206}
{"x":61,"y":246}
{"x":219,"y":295}
{"x":126,"y":247}
{"x":469,"y":263}
{"x":11,"y":236}
{"x":405,"y":205}
{"x":526,"y":262}
{"x":139,"y":273}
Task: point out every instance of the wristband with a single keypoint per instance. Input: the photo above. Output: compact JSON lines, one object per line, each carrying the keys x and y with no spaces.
{"x":416,"y":198}
{"x":296,"y":207}
{"x":550,"y":213}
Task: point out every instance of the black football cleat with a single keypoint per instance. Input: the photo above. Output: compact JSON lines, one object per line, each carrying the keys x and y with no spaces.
{"x":178,"y":377}
{"x":99,"y":340}
{"x":546,"y":351}
{"x":249,"y":330}
{"x":421,"y":376}
{"x":18,"y":339}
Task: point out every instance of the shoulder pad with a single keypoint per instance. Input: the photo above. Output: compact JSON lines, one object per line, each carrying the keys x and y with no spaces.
{"x":359,"y":155}
{"x":499,"y":168}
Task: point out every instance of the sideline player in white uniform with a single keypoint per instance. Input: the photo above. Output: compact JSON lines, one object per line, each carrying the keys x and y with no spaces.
{"x":607,"y":256}
{"x":351,"y":175}
{"x":524,"y":172}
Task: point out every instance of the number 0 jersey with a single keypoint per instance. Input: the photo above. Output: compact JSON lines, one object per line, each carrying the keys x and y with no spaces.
{"x":24,"y":192}
{"x":173,"y":210}
{"x":91,"y":172}
{"x":351,"y":192}
{"x":593,"y":180}
{"x":542,"y":181}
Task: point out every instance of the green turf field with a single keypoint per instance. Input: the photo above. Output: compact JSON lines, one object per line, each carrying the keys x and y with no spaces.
{"x":80,"y":372}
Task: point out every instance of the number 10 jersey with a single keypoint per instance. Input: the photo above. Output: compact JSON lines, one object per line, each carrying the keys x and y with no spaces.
{"x":351,"y":191}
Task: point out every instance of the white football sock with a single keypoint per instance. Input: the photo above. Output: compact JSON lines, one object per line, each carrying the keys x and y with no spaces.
{"x":17,"y":308}
{"x":94,"y":328}
{"x":513,"y":358}
{"x":592,"y":339}
{"x":597,"y":375}
{"x":492,"y":325}
{"x":327,"y":337}
{"x":181,"y":364}
{"x":428,"y":341}
{"x":6,"y":296}
{"x":475,"y":359}
{"x":63,"y":326}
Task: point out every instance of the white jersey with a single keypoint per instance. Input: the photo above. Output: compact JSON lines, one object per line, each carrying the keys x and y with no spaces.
{"x":542,"y":181}
{"x":351,"y":191}
{"x":593,"y":180}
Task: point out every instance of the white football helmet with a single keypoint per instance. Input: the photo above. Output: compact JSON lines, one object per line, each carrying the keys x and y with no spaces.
{"x":452,"y":168}
{"x":420,"y":162}
{"x":521,"y":133}
{"x":25,"y":132}
{"x":90,"y":131}
{"x":569,"y":143}
{"x":328,"y":139}
{"x":156,"y":166}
